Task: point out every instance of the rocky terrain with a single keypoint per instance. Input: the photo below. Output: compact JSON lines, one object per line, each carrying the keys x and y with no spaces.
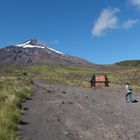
{"x":33,"y":52}
{"x":58,"y":112}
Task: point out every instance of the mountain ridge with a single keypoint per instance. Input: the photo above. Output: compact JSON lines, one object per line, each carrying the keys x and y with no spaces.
{"x":34,"y":52}
{"x":131,"y":63}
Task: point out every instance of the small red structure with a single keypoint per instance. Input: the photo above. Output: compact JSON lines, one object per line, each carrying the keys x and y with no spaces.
{"x":99,"y":78}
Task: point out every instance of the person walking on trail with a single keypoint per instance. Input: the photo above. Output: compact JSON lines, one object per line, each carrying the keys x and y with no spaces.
{"x":128,"y":94}
{"x":93,"y":80}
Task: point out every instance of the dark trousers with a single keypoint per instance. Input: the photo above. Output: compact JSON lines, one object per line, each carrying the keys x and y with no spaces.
{"x":93,"y":84}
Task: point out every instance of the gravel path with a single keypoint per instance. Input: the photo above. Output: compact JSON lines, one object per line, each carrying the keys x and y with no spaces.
{"x":58,"y":112}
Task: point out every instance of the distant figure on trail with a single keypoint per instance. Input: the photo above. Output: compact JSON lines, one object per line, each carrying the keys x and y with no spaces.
{"x":128,"y":93}
{"x":93,"y":81}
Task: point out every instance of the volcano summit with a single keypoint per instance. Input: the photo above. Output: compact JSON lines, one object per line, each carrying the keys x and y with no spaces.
{"x":34,"y":52}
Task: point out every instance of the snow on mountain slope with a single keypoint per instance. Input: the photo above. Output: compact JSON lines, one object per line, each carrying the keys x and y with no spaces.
{"x":55,"y":50}
{"x":34,"y":52}
{"x":35,"y":44}
{"x":29,"y":44}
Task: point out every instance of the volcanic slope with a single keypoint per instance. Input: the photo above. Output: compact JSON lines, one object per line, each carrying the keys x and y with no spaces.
{"x":34,"y":52}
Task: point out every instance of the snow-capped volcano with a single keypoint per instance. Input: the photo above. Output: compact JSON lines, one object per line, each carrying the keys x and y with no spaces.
{"x":33,"y":43}
{"x":34,"y":52}
{"x":29,"y":44}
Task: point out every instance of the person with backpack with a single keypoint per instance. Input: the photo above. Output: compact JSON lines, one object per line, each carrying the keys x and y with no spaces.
{"x":128,"y":94}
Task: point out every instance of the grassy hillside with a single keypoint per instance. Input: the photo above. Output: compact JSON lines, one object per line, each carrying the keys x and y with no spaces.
{"x":13,"y":90}
{"x":15,"y":87}
{"x":80,"y":76}
{"x":132,"y":63}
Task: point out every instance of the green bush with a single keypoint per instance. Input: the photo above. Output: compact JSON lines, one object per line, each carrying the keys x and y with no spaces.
{"x":12,"y":92}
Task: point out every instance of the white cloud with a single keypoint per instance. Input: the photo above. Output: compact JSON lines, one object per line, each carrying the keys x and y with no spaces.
{"x":130,"y":23}
{"x":135,"y":3}
{"x":107,"y":20}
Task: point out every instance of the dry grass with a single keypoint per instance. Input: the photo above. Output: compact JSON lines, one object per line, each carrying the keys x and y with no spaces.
{"x":11,"y":96}
{"x":14,"y":89}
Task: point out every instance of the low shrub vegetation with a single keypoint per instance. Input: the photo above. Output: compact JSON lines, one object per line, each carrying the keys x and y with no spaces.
{"x":12,"y":93}
{"x":15,"y":87}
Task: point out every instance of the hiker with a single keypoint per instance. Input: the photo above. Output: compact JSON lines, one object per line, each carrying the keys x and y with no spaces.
{"x":93,"y":81}
{"x":128,"y":93}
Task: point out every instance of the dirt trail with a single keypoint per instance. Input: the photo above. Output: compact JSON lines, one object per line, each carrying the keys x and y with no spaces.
{"x":58,"y":112}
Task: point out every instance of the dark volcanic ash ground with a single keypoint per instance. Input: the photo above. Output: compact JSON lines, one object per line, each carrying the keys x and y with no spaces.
{"x":57,"y":112}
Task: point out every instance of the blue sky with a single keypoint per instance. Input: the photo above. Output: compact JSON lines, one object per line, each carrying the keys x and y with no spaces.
{"x":101,"y":31}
